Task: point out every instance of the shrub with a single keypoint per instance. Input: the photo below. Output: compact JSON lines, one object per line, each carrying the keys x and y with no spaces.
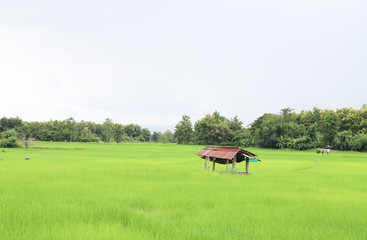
{"x":11,"y":142}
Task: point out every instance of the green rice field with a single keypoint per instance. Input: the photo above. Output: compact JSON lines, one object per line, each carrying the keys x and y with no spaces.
{"x":161,"y":191}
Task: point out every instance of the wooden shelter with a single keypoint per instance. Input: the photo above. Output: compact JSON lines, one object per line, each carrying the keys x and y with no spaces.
{"x":226,"y":155}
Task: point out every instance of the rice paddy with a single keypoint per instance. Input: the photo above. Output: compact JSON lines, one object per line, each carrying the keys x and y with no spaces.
{"x":161,"y":191}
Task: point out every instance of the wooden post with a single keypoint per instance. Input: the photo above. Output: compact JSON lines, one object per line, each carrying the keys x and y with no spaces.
{"x":206,"y":159}
{"x":227,"y":164}
{"x":234,"y":163}
{"x":213,"y":164}
{"x":247,"y":163}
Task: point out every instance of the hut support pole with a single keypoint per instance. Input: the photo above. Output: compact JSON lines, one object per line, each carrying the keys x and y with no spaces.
{"x":234,"y":164}
{"x":206,"y":160}
{"x":247,"y":164}
{"x":213,"y":164}
{"x":227,"y":164}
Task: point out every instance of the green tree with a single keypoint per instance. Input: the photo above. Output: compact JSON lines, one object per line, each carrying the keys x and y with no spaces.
{"x":70,"y":129}
{"x":240,"y":136}
{"x":235,"y":124}
{"x":213,"y":130}
{"x":133,"y":130}
{"x":286,"y":114}
{"x":359,"y":142}
{"x":328,"y":126}
{"x":168,"y":137}
{"x":183,"y":131}
{"x":265,"y":130}
{"x":281,"y":142}
{"x":302,"y":143}
{"x":157,"y":137}
{"x":107,"y":134}
{"x":343,"y":140}
{"x":86,"y":135}
{"x":10,"y":139}
{"x":10,"y":123}
{"x":119,"y":133}
{"x":145,"y":133}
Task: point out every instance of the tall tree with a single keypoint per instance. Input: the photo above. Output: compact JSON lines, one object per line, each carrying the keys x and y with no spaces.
{"x":328,"y":126}
{"x":168,"y":137}
{"x":285,"y":113}
{"x":183,"y":131}
{"x":213,"y":129}
{"x":107,"y":134}
{"x":133,"y":130}
{"x":266,"y":130}
{"x":119,"y":132}
{"x":70,"y":130}
{"x":145,"y":133}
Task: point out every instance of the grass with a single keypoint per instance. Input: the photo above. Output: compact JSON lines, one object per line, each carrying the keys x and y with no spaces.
{"x":160,"y":191}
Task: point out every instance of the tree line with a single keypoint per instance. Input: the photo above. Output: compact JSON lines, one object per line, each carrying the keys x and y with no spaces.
{"x":13,"y":129}
{"x":344,"y":129}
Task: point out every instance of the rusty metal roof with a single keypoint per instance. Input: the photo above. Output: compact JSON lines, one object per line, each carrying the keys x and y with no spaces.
{"x":223,"y":152}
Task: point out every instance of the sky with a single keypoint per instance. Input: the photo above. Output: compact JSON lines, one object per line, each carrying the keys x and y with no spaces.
{"x":150,"y":62}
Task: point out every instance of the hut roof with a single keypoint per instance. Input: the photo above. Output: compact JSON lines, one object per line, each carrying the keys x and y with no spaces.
{"x":224,"y":152}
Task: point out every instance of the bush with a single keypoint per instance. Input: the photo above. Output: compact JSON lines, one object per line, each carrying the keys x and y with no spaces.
{"x":11,"y":142}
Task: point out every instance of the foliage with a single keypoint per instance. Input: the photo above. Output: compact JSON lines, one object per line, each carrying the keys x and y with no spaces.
{"x":118,"y":132}
{"x":302,"y":143}
{"x":168,"y":137}
{"x":145,"y":135}
{"x":343,"y":140}
{"x":266,"y":129}
{"x":183,"y":131}
{"x":107,"y":133}
{"x":72,"y":131}
{"x":344,"y":129}
{"x":133,"y":130}
{"x":212,"y":129}
{"x":156,"y":136}
{"x":10,"y":139}
{"x":11,"y":123}
{"x":359,"y":142}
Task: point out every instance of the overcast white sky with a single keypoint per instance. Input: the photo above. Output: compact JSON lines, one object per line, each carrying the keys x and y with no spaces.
{"x":150,"y":62}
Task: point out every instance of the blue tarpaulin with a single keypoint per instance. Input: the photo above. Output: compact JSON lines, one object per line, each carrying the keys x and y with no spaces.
{"x":255,"y":160}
